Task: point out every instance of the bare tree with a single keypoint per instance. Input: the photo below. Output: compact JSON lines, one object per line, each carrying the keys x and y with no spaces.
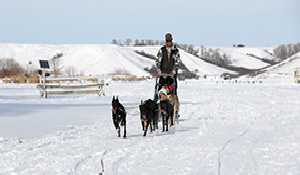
{"x":157,"y":42}
{"x":71,"y":71}
{"x":136,"y":42}
{"x":128,"y":42}
{"x":114,"y":41}
{"x":202,"y":50}
{"x":56,"y":64}
{"x":148,"y":42}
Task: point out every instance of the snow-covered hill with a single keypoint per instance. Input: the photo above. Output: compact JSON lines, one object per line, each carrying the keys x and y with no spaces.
{"x":103,"y":59}
{"x":248,"y":58}
{"x":241,"y":57}
{"x":88,"y":59}
{"x":284,"y":68}
{"x":100,"y":59}
{"x":190,"y":61}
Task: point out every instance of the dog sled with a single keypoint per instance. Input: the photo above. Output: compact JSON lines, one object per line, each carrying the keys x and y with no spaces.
{"x":166,"y":96}
{"x":164,"y":107}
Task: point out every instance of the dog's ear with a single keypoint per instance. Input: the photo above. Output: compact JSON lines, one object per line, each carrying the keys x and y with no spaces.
{"x":117,"y":97}
{"x":142,"y":102}
{"x":113,"y":97}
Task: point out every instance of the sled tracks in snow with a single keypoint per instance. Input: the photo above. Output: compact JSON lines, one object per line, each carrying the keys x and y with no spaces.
{"x":81,"y":162}
{"x":225,"y":145}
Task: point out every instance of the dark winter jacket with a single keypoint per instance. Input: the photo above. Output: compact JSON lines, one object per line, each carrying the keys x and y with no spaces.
{"x":167,"y":63}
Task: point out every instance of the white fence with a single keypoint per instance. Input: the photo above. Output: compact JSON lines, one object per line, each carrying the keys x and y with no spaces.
{"x":67,"y":86}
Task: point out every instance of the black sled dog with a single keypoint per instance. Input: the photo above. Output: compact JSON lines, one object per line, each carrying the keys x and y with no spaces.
{"x":118,"y":116}
{"x":149,"y":115}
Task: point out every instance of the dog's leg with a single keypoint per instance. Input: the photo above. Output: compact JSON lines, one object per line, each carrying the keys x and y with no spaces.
{"x":177,"y":110}
{"x":167,"y":120}
{"x":124,"y":136}
{"x":145,"y":124}
{"x":163,"y":121}
{"x":145,"y":132}
{"x":156,"y":120}
{"x":143,"y":127}
{"x":151,"y":125}
{"x":170,"y":119}
{"x":119,"y":131}
{"x":173,"y":116}
{"x":177,"y":118}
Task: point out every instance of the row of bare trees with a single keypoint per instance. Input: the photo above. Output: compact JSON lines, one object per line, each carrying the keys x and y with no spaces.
{"x":215,"y":56}
{"x":148,"y":42}
{"x":284,"y":51}
{"x":9,"y":67}
{"x":211,"y":55}
{"x":137,"y":42}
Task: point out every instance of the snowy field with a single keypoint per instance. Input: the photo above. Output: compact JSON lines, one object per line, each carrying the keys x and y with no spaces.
{"x":224,"y":129}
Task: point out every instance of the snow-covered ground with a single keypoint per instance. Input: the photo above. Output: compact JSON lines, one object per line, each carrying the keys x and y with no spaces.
{"x":225,"y":128}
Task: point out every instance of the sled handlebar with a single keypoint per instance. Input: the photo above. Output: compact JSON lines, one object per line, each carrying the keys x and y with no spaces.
{"x":171,"y":75}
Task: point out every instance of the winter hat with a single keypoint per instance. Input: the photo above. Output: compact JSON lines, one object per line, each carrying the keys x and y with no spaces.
{"x":168,"y":37}
{"x":163,"y":91}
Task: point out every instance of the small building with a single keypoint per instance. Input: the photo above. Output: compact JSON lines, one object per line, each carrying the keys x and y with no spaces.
{"x":239,"y":45}
{"x":297,"y":75}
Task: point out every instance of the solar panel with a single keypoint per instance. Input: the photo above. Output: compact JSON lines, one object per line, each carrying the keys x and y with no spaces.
{"x":44,"y":64}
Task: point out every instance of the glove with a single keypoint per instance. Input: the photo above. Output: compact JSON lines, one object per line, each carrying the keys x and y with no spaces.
{"x":158,"y":71}
{"x":174,"y":72}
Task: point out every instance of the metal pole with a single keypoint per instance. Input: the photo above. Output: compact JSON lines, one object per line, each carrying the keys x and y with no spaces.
{"x":44,"y":82}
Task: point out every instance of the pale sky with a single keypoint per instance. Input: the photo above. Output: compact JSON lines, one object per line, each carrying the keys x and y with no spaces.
{"x":210,"y":22}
